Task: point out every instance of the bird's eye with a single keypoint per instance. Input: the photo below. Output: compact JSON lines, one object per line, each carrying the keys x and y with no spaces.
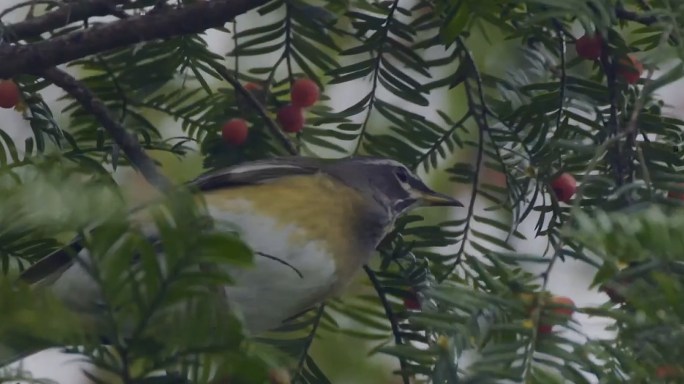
{"x":402,"y":174}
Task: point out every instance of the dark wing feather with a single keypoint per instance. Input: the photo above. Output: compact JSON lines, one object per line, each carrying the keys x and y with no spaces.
{"x":255,"y":172}
{"x":51,"y":263}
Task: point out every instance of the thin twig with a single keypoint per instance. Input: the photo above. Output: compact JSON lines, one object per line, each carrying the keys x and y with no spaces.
{"x":649,"y":20}
{"x":288,"y":42}
{"x":309,"y":340}
{"x":272,"y":126}
{"x":610,"y":66}
{"x":31,"y":12}
{"x":271,"y":76}
{"x":633,"y":129}
{"x":563,"y":77}
{"x":288,"y":59}
{"x":237,"y":57}
{"x":159,"y":5}
{"x":437,"y":144}
{"x":645,"y":174}
{"x":127,"y":142}
{"x":475,"y":103}
{"x":114,"y":11}
{"x":376,"y":75}
{"x":632,"y":126}
{"x":536,"y":312}
{"x":389,"y":313}
{"x":624,"y":14}
{"x":170,"y":22}
{"x":27,"y":3}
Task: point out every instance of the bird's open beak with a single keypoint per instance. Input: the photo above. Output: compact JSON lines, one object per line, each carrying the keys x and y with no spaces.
{"x":435,"y":199}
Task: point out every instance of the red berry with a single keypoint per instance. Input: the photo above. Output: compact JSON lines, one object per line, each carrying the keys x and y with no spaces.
{"x":291,"y":118}
{"x":234,"y":131}
{"x":564,"y":305}
{"x":669,"y":372}
{"x":676,"y":194}
{"x":411,"y":301}
{"x":630,"y":69}
{"x":561,"y":306}
{"x":252,"y":87}
{"x":544,"y":329}
{"x":304,"y":93}
{"x":564,"y":186}
{"x":9,"y":94}
{"x":589,"y":47}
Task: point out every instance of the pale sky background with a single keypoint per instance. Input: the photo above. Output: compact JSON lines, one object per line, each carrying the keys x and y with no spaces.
{"x":568,"y":279}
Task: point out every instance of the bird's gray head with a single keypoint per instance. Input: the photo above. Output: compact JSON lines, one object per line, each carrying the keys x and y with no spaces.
{"x":389,"y":182}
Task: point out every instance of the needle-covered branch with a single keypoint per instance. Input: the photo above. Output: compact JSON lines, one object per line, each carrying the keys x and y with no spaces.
{"x":127,"y":142}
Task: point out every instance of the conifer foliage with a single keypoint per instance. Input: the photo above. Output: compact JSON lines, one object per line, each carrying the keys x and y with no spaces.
{"x":570,"y":118}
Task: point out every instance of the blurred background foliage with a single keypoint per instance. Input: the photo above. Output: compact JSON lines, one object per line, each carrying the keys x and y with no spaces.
{"x":486,"y":99}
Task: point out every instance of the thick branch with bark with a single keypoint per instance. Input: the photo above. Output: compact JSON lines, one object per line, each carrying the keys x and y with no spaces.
{"x":60,"y":17}
{"x":169,"y":22}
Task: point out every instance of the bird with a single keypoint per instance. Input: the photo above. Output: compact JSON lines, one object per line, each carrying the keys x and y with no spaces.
{"x":316,"y":222}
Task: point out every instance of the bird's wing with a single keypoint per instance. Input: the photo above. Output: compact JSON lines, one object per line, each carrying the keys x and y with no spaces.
{"x":53,"y":262}
{"x":255,"y":172}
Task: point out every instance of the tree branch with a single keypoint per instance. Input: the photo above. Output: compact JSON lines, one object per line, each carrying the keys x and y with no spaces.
{"x":625,"y":14}
{"x":392,"y":319}
{"x":167,"y":23}
{"x":127,"y":142}
{"x":62,"y":16}
{"x":309,"y":340}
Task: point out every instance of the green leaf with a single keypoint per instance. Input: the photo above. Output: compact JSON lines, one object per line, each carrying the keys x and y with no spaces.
{"x":456,"y":21}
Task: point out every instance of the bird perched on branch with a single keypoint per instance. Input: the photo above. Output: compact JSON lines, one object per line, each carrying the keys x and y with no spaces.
{"x":315,"y":222}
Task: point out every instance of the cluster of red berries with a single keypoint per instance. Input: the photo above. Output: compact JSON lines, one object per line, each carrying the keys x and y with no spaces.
{"x":590,"y":47}
{"x":303,"y":94}
{"x":9,"y":94}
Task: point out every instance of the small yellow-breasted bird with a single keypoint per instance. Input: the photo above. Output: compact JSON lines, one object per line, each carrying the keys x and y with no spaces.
{"x":318,"y":221}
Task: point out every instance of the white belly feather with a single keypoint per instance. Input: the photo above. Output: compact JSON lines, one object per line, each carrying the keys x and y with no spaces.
{"x":273,"y":290}
{"x":264,"y":294}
